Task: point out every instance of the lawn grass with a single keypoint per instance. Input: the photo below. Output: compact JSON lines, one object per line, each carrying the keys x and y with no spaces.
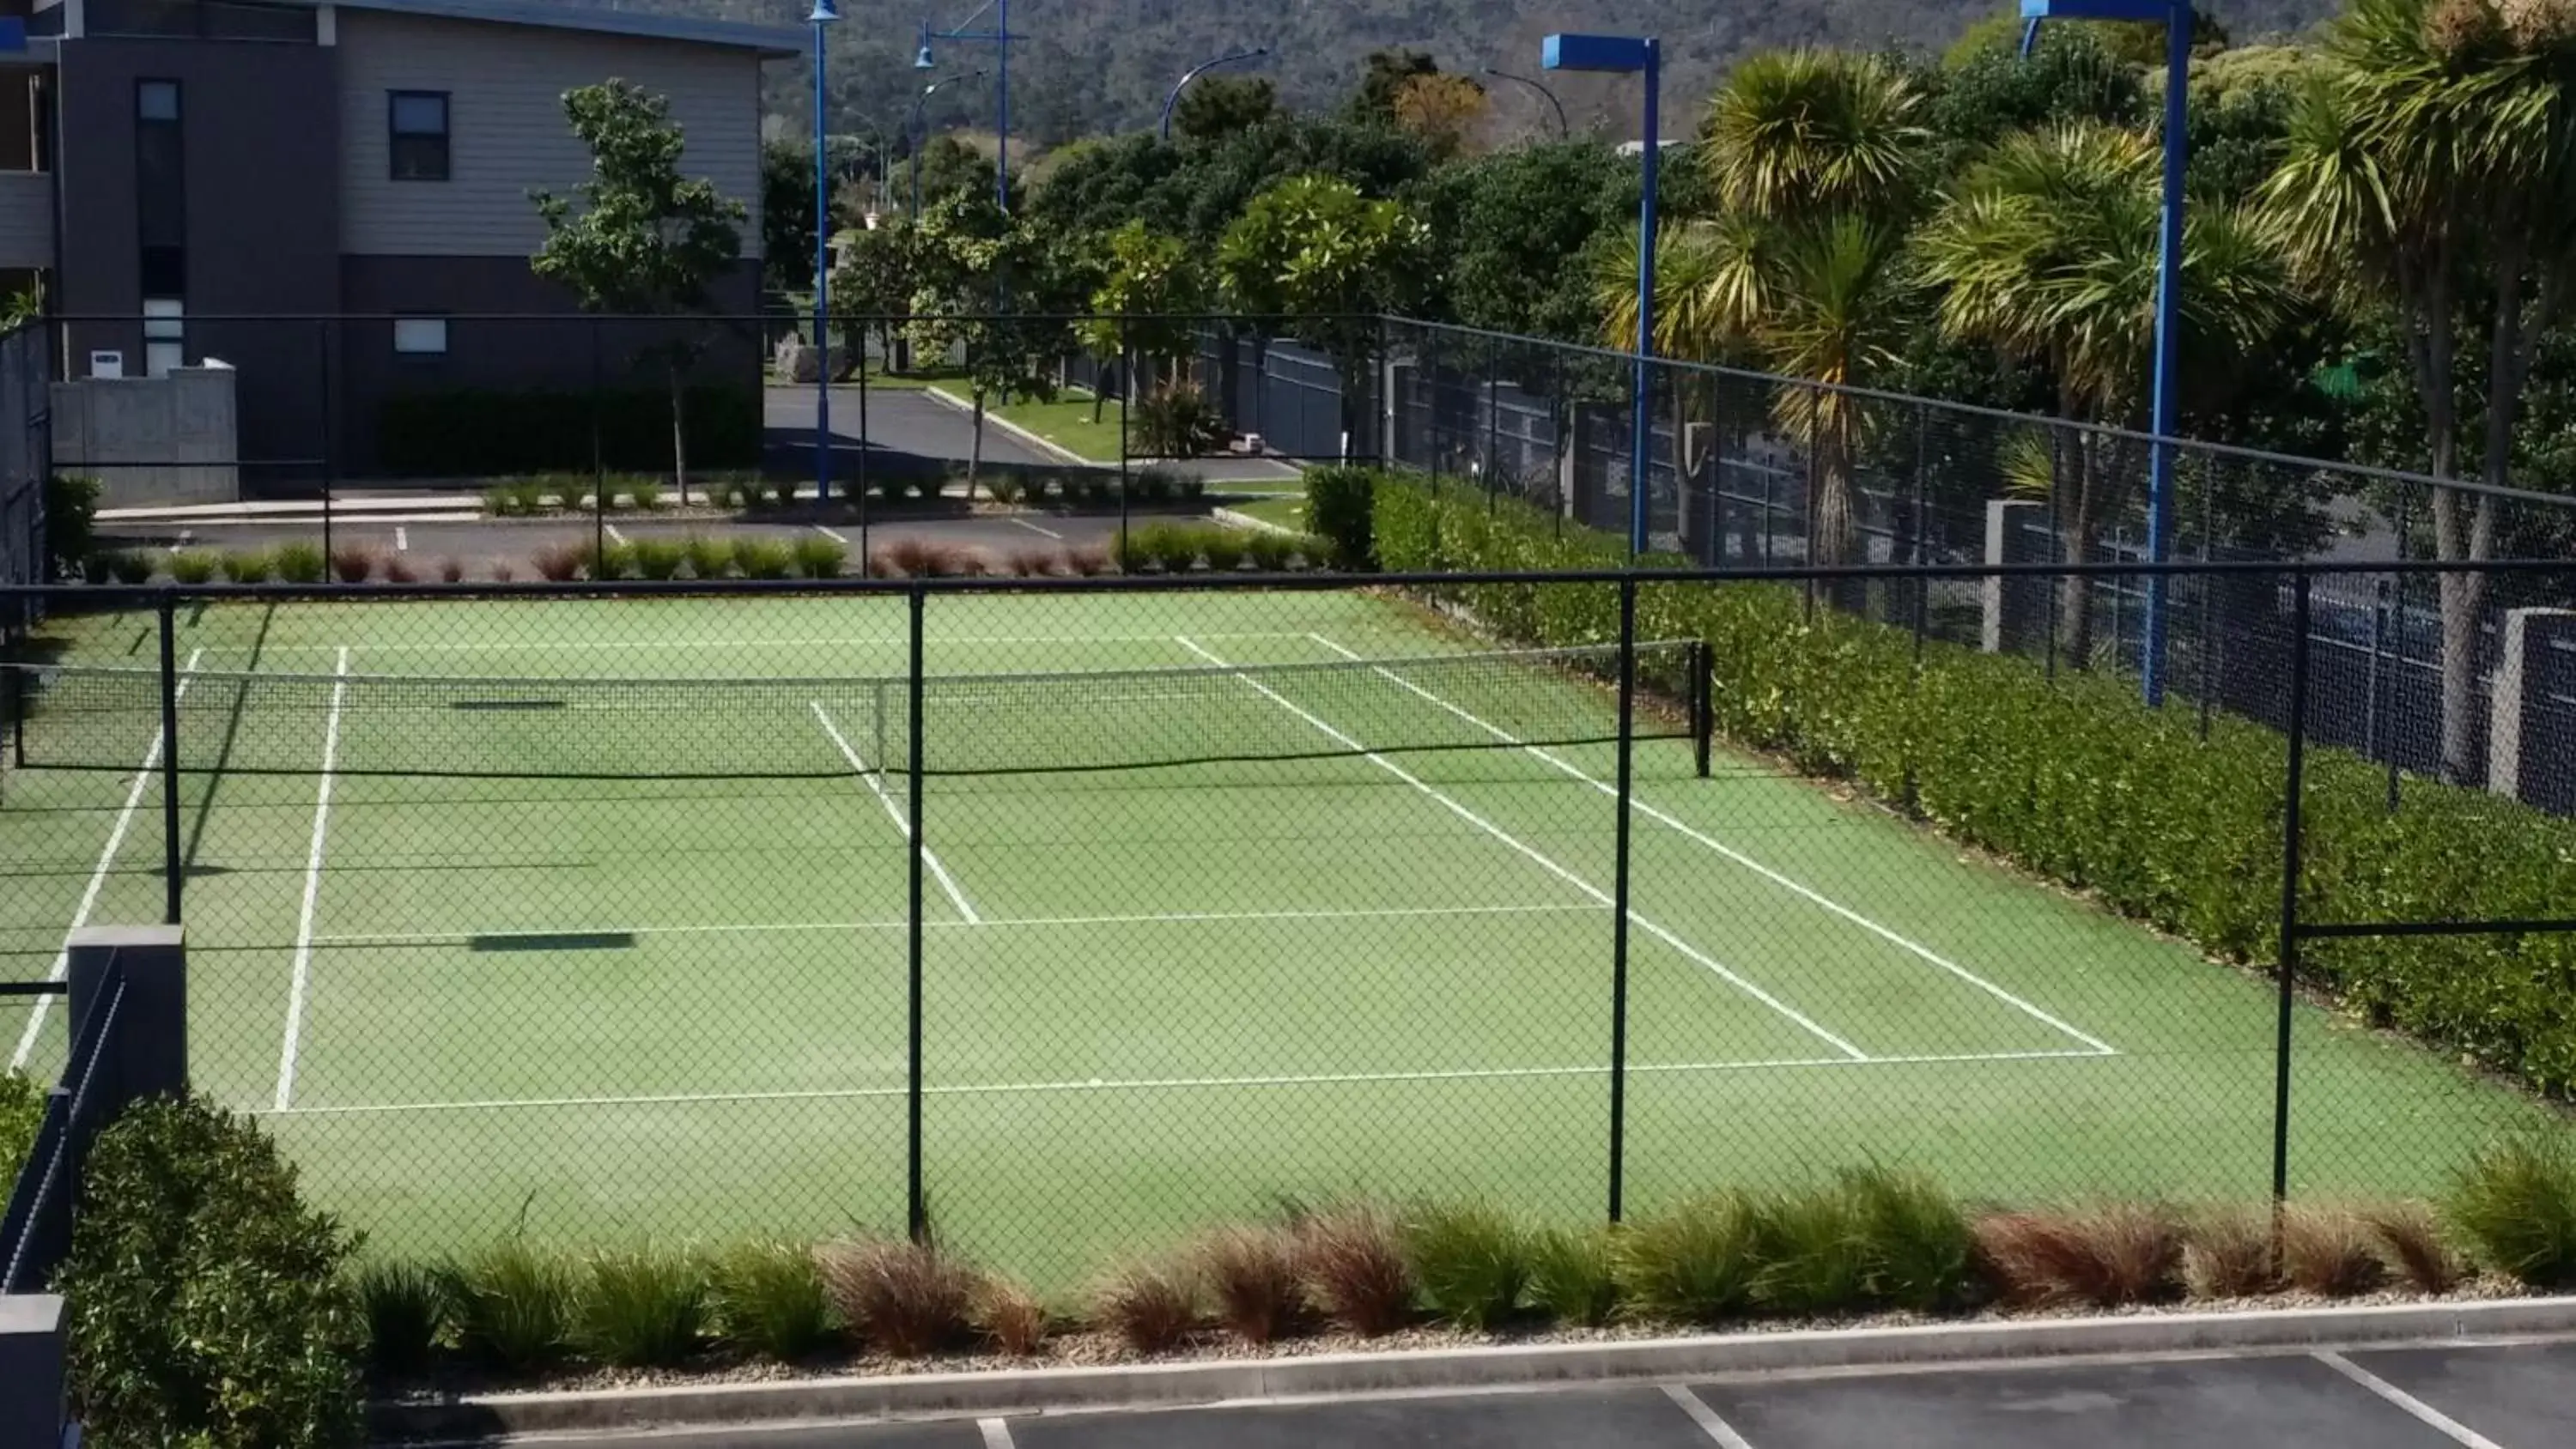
{"x":1067,"y":423}
{"x":676,"y":1008}
{"x":1285,"y":510}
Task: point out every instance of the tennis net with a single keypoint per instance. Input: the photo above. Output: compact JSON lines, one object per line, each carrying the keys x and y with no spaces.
{"x":520,"y":727}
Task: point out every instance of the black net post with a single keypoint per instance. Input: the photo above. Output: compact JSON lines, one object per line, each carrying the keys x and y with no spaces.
{"x":2292,"y":800}
{"x":1619,"y":898}
{"x":916,"y":1200}
{"x":170,"y":848}
{"x":1703,"y":711}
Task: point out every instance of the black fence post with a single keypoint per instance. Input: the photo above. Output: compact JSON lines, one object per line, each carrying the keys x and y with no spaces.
{"x":1703,"y":703}
{"x":2291,"y":845}
{"x":322,"y":346}
{"x":860,"y":334}
{"x":2208,"y":606}
{"x":170,"y":844}
{"x":1126,"y":362}
{"x":916,"y":1199}
{"x":1619,"y":903}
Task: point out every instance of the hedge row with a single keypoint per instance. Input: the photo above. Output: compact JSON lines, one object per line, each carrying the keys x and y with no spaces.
{"x":482,"y":432}
{"x":2074,"y":779}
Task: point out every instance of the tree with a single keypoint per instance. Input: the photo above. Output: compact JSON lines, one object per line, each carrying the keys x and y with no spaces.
{"x":1330,"y":261}
{"x":1217,"y":106}
{"x":2048,"y":251}
{"x":1383,"y":79}
{"x":647,"y":239}
{"x":2428,"y":170}
{"x":951,"y":168}
{"x":1442,"y":110}
{"x":787,"y":215}
{"x":1516,"y":228}
{"x":996,"y":293}
{"x":1142,"y":304}
{"x":874,"y":275}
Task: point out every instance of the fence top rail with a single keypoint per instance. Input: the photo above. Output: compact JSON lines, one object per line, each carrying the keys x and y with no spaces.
{"x":156,"y":595}
{"x":729,"y":315}
{"x":2227,"y":450}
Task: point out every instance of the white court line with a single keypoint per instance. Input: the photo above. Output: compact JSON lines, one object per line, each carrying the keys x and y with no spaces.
{"x":1746,"y":861}
{"x":2424,"y":1413}
{"x":889,"y":640}
{"x":1552,"y":868}
{"x":831,"y":534}
{"x":948,"y":883}
{"x":1033,"y":528}
{"x":1707,"y":1418}
{"x":613,"y":535}
{"x":402,"y":539}
{"x":312,"y":893}
{"x":791,"y":927}
{"x":1184,"y":1084}
{"x":97,"y":880}
{"x":997,"y":1435}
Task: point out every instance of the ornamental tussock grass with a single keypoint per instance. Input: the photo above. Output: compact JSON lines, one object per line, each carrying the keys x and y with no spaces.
{"x":903,"y":1299}
{"x":762,"y":558}
{"x":659,"y":558}
{"x":818,"y":557}
{"x":1151,"y":1306}
{"x":405,"y":1306}
{"x":352,"y":563}
{"x":399,"y":570}
{"x":767,"y":1298}
{"x":1352,"y":1259}
{"x":2227,"y":1253}
{"x":560,"y":562}
{"x":2410,"y":1237}
{"x":249,"y":566}
{"x":1471,"y":1260}
{"x":2330,"y":1250}
{"x":709,"y":558}
{"x":1574,"y":1275}
{"x":1252,"y":1275}
{"x":1034,"y":563}
{"x":1918,"y":1245}
{"x":512,"y":1306}
{"x":194,"y":566}
{"x":2106,"y":1256}
{"x":640,"y":1308}
{"x":2515,"y":1203}
{"x":1809,"y":1254}
{"x":1693,"y":1263}
{"x":1012,"y":1319}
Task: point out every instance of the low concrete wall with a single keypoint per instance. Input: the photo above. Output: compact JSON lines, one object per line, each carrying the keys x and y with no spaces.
{"x":155,"y":440}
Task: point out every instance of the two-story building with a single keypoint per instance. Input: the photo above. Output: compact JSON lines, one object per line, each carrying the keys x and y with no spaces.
{"x":189,"y":173}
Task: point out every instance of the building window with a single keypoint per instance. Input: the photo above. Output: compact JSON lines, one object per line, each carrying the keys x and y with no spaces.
{"x":165,"y":335}
{"x":156,"y":100}
{"x":420,"y":336}
{"x":419,"y":139}
{"x":161,"y":225}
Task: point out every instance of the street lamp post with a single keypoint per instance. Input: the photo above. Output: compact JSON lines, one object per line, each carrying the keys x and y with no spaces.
{"x":1624,"y":55}
{"x":1000,"y":37}
{"x":825,"y":13}
{"x":1194,"y":72}
{"x":1562,"y":129}
{"x":932,"y":89}
{"x":2176,"y":15}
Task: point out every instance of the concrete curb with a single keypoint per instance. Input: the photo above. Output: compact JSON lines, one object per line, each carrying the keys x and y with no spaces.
{"x":1021,"y":435}
{"x":1466,"y":1369}
{"x":1232,"y":519}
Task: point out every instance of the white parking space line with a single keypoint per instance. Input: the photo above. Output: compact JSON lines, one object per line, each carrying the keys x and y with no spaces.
{"x":2423,"y":1413}
{"x":402,"y":539}
{"x":1709,"y":1422}
{"x":997,"y":1435}
{"x":830,"y":534}
{"x":613,"y":535}
{"x":1033,"y":528}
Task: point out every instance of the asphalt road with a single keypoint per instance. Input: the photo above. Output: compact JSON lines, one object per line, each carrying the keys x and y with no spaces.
{"x":2486,"y":1397}
{"x":911,"y":431}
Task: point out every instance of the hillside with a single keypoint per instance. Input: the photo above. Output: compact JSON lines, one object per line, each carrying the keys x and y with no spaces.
{"x":1091,"y":66}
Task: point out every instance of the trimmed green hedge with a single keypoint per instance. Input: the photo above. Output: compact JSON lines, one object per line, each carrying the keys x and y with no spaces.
{"x":2075,"y":779}
{"x":479,"y":433}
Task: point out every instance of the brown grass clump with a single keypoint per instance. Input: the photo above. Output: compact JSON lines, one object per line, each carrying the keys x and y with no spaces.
{"x":451,"y":570}
{"x":1355,"y":1268}
{"x":558,"y":562}
{"x":905,"y":1299}
{"x":1087,"y":562}
{"x":1150,"y":1306}
{"x":2330,"y":1250}
{"x":2105,"y":1256}
{"x":352,"y":564}
{"x":1253,"y":1275}
{"x":2227,"y":1253}
{"x":503,"y":573}
{"x":2410,"y":1236}
{"x":1013,"y":1319}
{"x":398,"y":570}
{"x":1034,"y":563}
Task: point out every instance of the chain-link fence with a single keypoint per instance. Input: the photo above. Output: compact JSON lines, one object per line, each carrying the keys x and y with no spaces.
{"x":1065,"y":916}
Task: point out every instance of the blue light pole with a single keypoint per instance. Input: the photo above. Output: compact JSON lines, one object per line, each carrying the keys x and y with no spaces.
{"x":1622,"y":55}
{"x":1194,"y":72}
{"x":1000,"y":37}
{"x":2176,"y":16}
{"x":825,"y":13}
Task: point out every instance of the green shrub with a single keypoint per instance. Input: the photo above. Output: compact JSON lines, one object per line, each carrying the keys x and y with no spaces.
{"x":659,"y":558}
{"x":1150,"y":487}
{"x":527,"y":495}
{"x":1809,"y":1251}
{"x":97,"y":567}
{"x":1223,"y":547}
{"x":1574,"y":1275}
{"x":1918,"y":1239}
{"x":931,"y":485}
{"x":1098,"y":490}
{"x":1341,"y":506}
{"x":615,"y":561}
{"x":767,"y":1299}
{"x":709,"y":558}
{"x":501,"y":500}
{"x":512,"y":1306}
{"x":405,"y":1307}
{"x":206,"y":1303}
{"x":71,"y":530}
{"x":488,"y":433}
{"x":22,"y":1109}
{"x":892,"y":487}
{"x":645,"y":494}
{"x":818,"y":557}
{"x":782,"y":491}
{"x":1270,"y":552}
{"x":2515,"y":1203}
{"x":302,"y":563}
{"x":1695,"y":1263}
{"x":762,"y":558}
{"x":1177,"y":420}
{"x":131,"y":566}
{"x":194,"y":566}
{"x":1005,"y":489}
{"x":640,"y":1308}
{"x":1033,"y":489}
{"x":248,"y":566}
{"x":1472,"y":1260}
{"x":1171,"y":547}
{"x":571,"y":492}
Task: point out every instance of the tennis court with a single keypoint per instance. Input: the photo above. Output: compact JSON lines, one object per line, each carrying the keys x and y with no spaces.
{"x":596,"y":913}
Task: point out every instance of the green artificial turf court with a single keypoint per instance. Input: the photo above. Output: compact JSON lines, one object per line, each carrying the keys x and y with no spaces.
{"x":596,"y":911}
